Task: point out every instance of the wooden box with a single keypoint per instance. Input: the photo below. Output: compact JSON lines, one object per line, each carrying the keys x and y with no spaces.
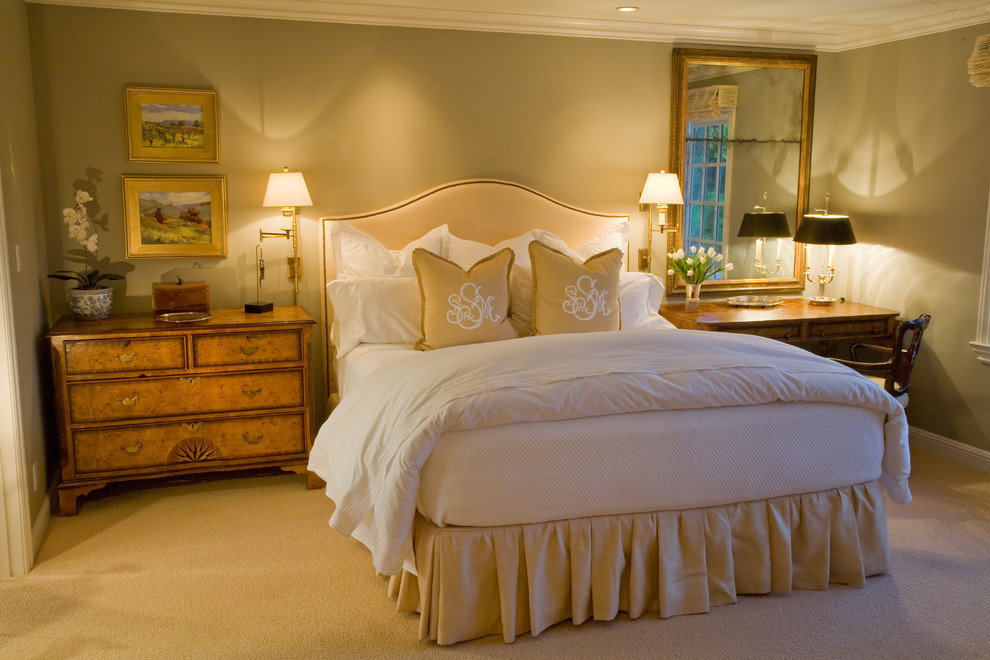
{"x":184,"y":297}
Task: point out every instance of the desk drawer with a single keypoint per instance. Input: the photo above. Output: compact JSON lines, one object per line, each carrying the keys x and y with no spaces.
{"x":781,"y":332}
{"x":835,"y":329}
{"x":96,"y":402}
{"x":159,"y":445}
{"x":247,"y":348}
{"x":110,"y":356}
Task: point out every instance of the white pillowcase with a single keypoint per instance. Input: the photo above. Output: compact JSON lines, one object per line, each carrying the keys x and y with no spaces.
{"x":616,"y":236}
{"x":374,"y":310}
{"x":640,"y":295}
{"x":356,"y":254}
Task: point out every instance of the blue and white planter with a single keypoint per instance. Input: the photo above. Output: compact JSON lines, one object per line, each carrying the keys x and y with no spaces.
{"x":91,"y":304}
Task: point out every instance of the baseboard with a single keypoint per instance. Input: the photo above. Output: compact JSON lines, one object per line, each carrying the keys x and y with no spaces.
{"x":40,"y":526}
{"x":968,"y":455}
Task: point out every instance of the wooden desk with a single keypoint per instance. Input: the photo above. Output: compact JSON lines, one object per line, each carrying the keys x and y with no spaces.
{"x":794,"y":320}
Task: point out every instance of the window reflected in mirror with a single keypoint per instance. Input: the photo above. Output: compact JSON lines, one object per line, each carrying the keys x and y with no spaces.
{"x":740,"y":143}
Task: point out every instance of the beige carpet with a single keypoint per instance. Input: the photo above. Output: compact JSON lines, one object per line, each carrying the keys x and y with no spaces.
{"x":248,"y":568}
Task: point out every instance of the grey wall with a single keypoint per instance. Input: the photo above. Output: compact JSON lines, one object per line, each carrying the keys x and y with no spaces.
{"x":23,"y":230}
{"x":908,"y":158}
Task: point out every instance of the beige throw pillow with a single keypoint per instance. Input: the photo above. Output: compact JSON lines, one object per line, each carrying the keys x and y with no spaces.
{"x":463,"y":306}
{"x":572,"y":297}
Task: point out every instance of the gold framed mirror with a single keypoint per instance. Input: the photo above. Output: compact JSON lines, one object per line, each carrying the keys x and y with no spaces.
{"x":740,"y":138}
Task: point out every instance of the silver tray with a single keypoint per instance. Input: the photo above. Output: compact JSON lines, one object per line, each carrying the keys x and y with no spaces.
{"x":755,"y":301}
{"x":183,"y":317}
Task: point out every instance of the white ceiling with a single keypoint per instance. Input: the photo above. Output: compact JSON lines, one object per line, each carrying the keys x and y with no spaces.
{"x":824,"y":25}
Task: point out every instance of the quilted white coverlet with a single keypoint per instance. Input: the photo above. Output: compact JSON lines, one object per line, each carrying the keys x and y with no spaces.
{"x":372,"y":447}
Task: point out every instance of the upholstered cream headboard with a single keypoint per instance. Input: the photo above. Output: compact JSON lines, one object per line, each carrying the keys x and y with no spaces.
{"x":486,"y":210}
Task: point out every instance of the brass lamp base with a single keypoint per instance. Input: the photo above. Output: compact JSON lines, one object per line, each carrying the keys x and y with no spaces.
{"x":822,"y":300}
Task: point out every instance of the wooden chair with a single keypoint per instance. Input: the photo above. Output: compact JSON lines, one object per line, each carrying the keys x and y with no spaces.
{"x":896,"y":368}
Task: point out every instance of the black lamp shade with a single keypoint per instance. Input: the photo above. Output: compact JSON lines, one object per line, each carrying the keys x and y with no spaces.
{"x":764,"y":225}
{"x":825,"y":230}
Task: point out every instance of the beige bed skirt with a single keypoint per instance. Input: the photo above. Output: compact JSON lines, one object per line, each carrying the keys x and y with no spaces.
{"x":477,"y":581}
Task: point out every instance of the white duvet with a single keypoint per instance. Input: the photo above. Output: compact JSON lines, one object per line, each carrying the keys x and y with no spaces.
{"x":372,"y":447}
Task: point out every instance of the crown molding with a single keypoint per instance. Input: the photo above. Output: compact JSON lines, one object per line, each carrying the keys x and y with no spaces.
{"x":467,"y":19}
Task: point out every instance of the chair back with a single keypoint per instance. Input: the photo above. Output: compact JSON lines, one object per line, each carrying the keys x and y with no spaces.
{"x":906,"y":345}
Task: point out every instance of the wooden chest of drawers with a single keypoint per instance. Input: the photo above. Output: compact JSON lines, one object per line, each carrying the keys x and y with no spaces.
{"x":139,"y":398}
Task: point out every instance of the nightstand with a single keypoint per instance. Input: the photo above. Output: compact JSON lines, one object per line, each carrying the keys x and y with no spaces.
{"x":139,"y":398}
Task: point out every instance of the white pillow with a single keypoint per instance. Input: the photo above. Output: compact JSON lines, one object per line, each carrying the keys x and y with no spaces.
{"x":466,"y":253}
{"x":640,"y":295}
{"x":356,"y":254}
{"x":373,"y":310}
{"x":616,"y":236}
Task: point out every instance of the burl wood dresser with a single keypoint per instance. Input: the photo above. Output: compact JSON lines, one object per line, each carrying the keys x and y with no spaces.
{"x":139,"y":398}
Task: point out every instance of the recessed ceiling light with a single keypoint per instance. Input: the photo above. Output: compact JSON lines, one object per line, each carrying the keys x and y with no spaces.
{"x":626,"y":8}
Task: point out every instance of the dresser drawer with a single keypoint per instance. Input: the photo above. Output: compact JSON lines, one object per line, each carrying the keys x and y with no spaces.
{"x":848,"y":329}
{"x":247,"y":348}
{"x":109,"y":356}
{"x":177,"y":444}
{"x":168,"y":397}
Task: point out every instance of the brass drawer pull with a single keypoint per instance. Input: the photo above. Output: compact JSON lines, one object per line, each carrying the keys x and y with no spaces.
{"x":124,"y":359}
{"x":249,"y":350}
{"x":250,"y":393}
{"x":191,"y":381}
{"x":128,"y":402}
{"x":253,"y":439}
{"x":133,"y":451}
{"x":191,"y":427}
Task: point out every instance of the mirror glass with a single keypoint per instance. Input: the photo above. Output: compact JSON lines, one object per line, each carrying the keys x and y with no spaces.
{"x":740,"y":138}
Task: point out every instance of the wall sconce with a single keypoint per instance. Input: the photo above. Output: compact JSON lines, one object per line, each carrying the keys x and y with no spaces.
{"x":288,"y":190}
{"x":828,"y":231}
{"x":761,"y":225}
{"x":661,"y":189}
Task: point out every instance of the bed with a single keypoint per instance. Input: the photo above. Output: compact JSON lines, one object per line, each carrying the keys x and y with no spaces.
{"x":512,"y":483}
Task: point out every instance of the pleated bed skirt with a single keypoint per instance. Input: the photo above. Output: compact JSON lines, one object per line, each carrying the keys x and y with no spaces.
{"x":514,"y":579}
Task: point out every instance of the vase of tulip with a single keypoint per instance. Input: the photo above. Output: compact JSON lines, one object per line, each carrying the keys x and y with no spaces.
{"x":695,"y":267}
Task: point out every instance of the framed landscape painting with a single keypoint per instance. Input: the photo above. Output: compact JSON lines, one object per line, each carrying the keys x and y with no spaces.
{"x":172,"y":125}
{"x":175,"y":216}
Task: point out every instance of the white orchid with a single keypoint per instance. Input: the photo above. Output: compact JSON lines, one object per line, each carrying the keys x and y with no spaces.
{"x":77,"y":232}
{"x":92,"y":243}
{"x":79,"y":224}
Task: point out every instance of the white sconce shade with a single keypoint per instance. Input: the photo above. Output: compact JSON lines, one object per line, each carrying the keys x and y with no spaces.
{"x":661,"y":188}
{"x":286,"y":189}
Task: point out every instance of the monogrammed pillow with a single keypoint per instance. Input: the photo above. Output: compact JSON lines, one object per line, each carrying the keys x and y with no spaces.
{"x":463,"y":306}
{"x":569,"y":296}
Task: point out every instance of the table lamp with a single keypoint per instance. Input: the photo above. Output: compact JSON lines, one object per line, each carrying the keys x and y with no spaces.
{"x":826,"y":230}
{"x":761,"y":225}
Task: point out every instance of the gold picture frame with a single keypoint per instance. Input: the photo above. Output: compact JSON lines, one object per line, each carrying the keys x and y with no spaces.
{"x":171,"y":125}
{"x":175,"y":216}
